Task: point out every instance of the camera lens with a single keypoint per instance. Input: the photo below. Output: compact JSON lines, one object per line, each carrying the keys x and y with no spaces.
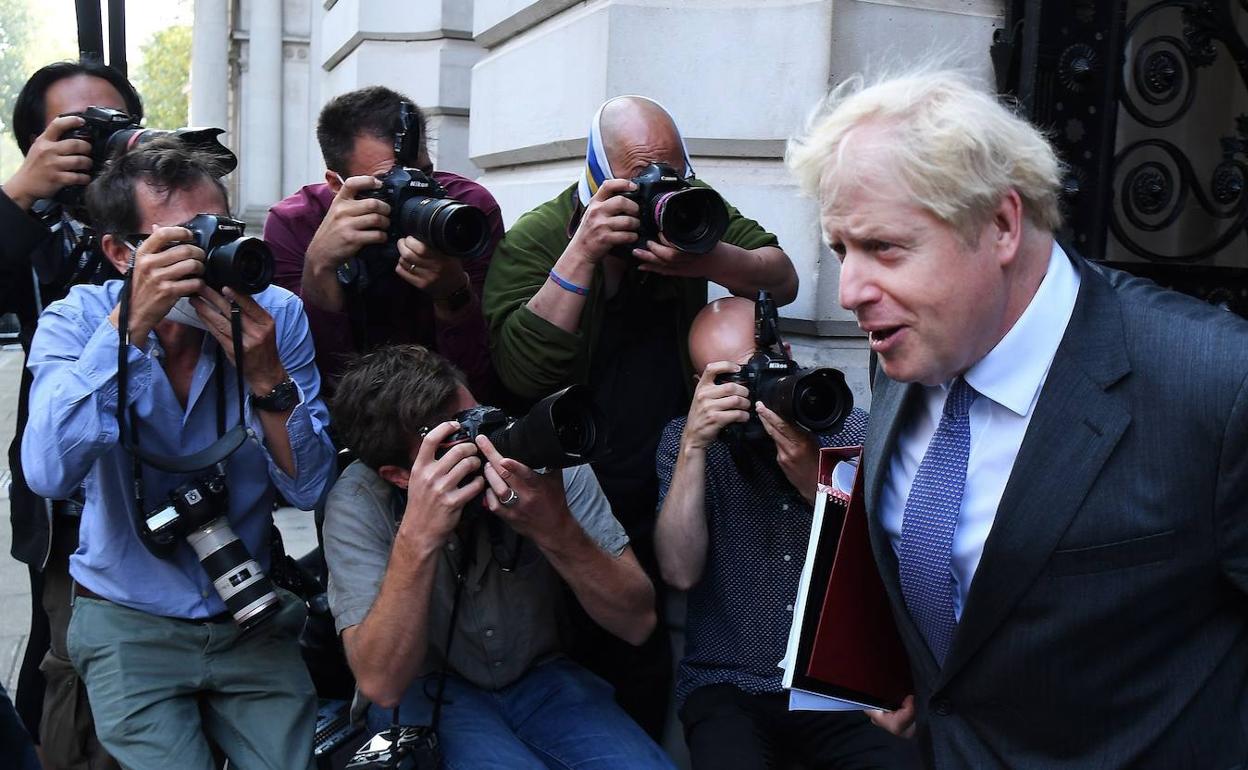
{"x":821,"y":400}
{"x":693,"y":219}
{"x":456,"y":229}
{"x":247,"y":592}
{"x":245,"y":265}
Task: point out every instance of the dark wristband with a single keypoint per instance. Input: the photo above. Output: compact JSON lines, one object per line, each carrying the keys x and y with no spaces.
{"x":282,"y":398}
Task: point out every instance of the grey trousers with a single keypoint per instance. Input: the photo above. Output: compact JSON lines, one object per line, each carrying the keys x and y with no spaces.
{"x":159,"y":688}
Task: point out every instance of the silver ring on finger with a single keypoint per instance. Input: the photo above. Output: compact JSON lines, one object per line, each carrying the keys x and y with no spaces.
{"x":511,"y":499}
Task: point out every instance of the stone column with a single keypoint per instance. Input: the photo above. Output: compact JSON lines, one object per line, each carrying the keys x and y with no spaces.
{"x":262,"y":111}
{"x":210,"y":67}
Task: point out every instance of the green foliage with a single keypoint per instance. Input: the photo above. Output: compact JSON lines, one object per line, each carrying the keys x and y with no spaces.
{"x":163,"y":77}
{"x":16,"y":30}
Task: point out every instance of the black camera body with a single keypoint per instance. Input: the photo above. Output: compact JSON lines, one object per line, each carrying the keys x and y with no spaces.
{"x":243,"y":263}
{"x":422,"y":208}
{"x":559,"y":431}
{"x":112,"y":132}
{"x":816,"y":399}
{"x":693,"y":219}
{"x":196,"y":511}
{"x":408,"y":747}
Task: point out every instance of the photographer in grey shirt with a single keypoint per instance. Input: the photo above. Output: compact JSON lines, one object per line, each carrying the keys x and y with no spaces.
{"x":424,"y":583}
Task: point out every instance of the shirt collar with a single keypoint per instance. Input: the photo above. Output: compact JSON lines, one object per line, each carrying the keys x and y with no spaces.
{"x":1013,"y":371}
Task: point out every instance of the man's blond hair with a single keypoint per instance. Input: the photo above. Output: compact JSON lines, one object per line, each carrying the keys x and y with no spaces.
{"x":956,"y":147}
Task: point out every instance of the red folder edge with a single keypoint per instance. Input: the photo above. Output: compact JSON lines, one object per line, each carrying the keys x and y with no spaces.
{"x":856,"y":648}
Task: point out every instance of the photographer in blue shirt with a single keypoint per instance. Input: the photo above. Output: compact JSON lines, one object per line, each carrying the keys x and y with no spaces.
{"x":175,"y":630}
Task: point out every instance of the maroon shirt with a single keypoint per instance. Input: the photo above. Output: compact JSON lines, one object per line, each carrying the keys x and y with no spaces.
{"x":391,"y":311}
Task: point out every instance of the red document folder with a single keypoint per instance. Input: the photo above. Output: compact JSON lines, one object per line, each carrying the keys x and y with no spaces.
{"x":849,"y":648}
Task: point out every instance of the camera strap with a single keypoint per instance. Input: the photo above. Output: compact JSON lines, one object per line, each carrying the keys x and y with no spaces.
{"x":227,"y":442}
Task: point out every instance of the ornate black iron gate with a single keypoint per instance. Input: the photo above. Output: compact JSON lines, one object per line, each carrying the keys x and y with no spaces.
{"x":1147,"y":102}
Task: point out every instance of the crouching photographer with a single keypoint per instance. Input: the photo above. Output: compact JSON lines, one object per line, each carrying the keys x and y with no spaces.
{"x":185,"y":397}
{"x":450,"y":614}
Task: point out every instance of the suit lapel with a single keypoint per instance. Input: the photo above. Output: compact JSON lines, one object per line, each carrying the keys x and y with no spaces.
{"x":1075,"y":428}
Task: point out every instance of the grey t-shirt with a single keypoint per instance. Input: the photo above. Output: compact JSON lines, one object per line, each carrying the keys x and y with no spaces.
{"x":507,"y":622}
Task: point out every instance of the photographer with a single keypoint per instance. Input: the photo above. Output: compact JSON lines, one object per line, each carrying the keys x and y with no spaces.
{"x":404,"y":521}
{"x":43,"y":252}
{"x":732,"y":531}
{"x":166,"y":665}
{"x":570,"y":300}
{"x":427,"y":297}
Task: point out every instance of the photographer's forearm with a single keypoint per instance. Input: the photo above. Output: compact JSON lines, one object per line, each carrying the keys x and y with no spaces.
{"x":387,"y":650}
{"x":614,"y":591}
{"x":319,"y":286}
{"x":680,"y":536}
{"x":745,"y":271}
{"x":561,"y":306}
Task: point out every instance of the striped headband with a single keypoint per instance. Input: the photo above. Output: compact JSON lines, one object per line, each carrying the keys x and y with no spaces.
{"x":598,"y":168}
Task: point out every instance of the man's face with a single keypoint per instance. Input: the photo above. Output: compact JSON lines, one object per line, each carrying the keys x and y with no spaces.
{"x":75,"y":94}
{"x":371,"y":157}
{"x":157,"y":209}
{"x":932,"y":304}
{"x":641,"y":142}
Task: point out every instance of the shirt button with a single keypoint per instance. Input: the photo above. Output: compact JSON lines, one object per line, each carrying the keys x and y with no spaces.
{"x":788,"y":607}
{"x":489,"y":633}
{"x":498,"y":664}
{"x":204,"y":594}
{"x":450,"y":546}
{"x":787,"y":557}
{"x":784,"y":507}
{"x":942,"y":707}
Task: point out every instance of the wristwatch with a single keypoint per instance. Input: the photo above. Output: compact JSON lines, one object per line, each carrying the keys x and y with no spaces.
{"x":282,"y":398}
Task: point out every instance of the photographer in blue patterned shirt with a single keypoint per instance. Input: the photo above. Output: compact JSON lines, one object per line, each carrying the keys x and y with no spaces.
{"x":734,"y":521}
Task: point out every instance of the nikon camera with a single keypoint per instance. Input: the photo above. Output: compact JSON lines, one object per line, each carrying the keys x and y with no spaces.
{"x":560,"y":431}
{"x":422,"y":208}
{"x":692,"y":219}
{"x":816,"y":399}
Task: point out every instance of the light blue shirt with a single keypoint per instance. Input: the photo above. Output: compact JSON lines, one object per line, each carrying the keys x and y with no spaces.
{"x":1008,"y":380}
{"x":71,"y":441}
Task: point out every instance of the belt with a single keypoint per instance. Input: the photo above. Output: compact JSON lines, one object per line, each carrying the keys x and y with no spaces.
{"x":220,"y":617}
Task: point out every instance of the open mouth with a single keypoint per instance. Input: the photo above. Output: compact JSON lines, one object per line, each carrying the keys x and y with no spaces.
{"x":880,"y":336}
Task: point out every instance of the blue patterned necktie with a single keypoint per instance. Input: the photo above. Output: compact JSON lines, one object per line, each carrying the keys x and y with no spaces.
{"x":930,"y":519}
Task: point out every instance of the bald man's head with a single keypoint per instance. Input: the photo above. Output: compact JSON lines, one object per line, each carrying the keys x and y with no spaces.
{"x":637,"y":132}
{"x":722,"y":331}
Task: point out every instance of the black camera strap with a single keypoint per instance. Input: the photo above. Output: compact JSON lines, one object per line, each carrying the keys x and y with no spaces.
{"x":227,"y":441}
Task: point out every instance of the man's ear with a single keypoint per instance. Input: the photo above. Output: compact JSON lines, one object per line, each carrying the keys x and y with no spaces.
{"x":117,"y":252}
{"x":333,"y":180}
{"x":1007,"y":227}
{"x":395,"y":475}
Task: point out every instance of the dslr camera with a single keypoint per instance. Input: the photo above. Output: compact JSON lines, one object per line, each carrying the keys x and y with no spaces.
{"x":196,"y":511}
{"x":816,"y":399}
{"x":112,"y":132}
{"x":243,"y":263}
{"x":422,"y":208}
{"x":409,"y":747}
{"x":559,"y":431}
{"x":693,"y":219}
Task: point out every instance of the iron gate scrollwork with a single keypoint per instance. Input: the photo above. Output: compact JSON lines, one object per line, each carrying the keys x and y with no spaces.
{"x":1147,"y":103}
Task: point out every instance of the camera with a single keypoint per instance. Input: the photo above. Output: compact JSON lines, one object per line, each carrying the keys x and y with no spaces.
{"x":693,"y":219}
{"x":419,"y":207}
{"x":243,"y":263}
{"x":816,"y":399}
{"x":112,"y":132}
{"x":196,"y":511}
{"x":559,"y":431}
{"x":399,"y":748}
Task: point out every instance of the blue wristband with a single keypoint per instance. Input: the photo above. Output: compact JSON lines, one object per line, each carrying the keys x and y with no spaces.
{"x":564,"y":283}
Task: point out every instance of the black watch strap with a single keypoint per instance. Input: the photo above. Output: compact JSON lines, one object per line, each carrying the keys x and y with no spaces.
{"x":458,"y":298}
{"x":282,"y":398}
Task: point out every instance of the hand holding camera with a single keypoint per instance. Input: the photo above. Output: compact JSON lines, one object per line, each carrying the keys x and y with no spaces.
{"x":797,"y":451}
{"x":350,"y":225}
{"x":261,"y":364}
{"x":715,"y":405}
{"x":435,"y":497}
{"x":55,"y":160}
{"x":167,"y":267}
{"x":428,"y":269}
{"x":533,"y":504}
{"x":611,"y":221}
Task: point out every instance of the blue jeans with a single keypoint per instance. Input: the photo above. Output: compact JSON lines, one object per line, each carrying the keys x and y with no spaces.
{"x":556,"y":716}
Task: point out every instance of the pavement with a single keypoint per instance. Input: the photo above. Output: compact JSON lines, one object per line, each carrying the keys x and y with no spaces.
{"x":296,"y":526}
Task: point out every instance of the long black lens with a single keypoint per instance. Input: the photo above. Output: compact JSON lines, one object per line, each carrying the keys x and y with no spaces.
{"x":692,"y":220}
{"x":245,"y":265}
{"x":453,"y":228}
{"x":816,"y":399}
{"x":560,"y":431}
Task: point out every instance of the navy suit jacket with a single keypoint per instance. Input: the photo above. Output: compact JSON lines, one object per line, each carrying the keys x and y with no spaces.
{"x":1107,"y":624}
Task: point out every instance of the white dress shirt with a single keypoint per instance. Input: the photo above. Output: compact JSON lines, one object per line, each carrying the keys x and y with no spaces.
{"x":1008,"y":381}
